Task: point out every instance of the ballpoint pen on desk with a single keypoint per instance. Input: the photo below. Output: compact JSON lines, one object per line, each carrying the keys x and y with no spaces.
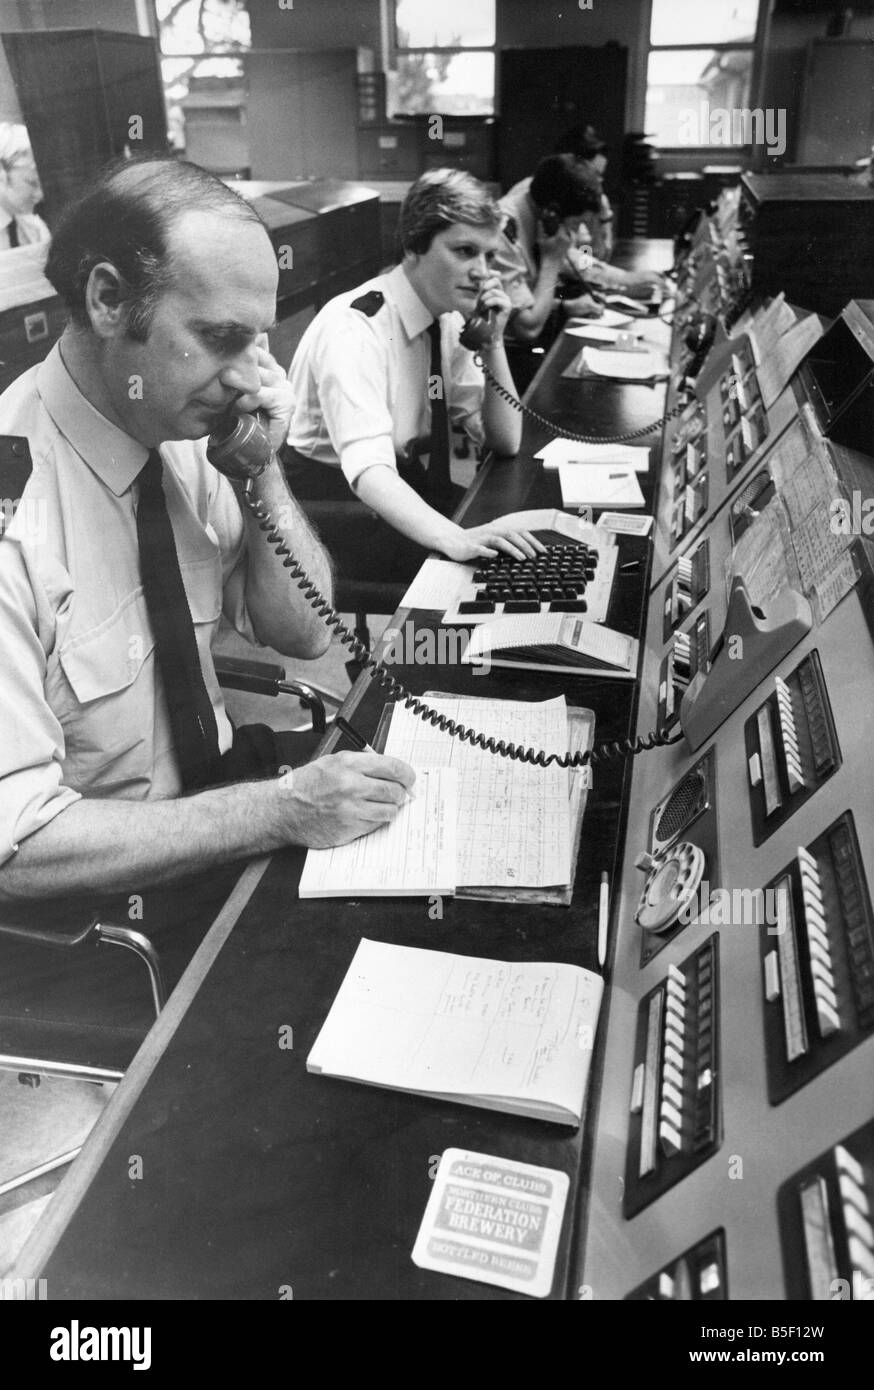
{"x":603,"y":919}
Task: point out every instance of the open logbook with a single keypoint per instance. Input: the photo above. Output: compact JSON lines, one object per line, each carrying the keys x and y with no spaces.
{"x":513,"y":1036}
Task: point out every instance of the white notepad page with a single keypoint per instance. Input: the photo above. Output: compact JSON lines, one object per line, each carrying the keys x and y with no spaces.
{"x":622,"y":366}
{"x":513,"y":826}
{"x":592,"y":485}
{"x":413,"y":855}
{"x":559,"y":451}
{"x":431,"y":1021}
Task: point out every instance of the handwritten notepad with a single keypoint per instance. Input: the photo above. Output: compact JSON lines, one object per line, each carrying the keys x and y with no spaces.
{"x":507,"y":1036}
{"x":412,"y":856}
{"x":513,"y":820}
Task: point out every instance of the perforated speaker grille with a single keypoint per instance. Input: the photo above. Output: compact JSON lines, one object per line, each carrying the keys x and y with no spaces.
{"x":683,"y":803}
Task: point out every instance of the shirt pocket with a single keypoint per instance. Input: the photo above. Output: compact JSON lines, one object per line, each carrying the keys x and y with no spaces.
{"x":113,"y":726}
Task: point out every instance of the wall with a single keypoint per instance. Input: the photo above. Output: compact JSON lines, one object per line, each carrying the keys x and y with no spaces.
{"x":121,"y":15}
{"x":316,"y":24}
{"x":787,"y":57}
{"x":557,"y":23}
{"x":520,"y":23}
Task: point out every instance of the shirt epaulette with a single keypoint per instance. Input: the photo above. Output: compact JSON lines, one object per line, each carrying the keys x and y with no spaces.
{"x":369,"y":303}
{"x":15,"y":469}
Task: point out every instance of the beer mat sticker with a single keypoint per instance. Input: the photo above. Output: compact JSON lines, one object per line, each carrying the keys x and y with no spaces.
{"x":493,"y":1221}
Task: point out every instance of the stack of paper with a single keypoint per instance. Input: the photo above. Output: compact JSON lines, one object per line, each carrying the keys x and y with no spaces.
{"x":559,"y":451}
{"x":596,"y":332}
{"x":412,"y":856}
{"x":591,"y":485}
{"x":513,"y":820}
{"x":623,"y":366}
{"x":476,"y":819}
{"x":609,"y":318}
{"x":513,"y":1037}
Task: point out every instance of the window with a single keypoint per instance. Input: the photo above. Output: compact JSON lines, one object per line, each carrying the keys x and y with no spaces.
{"x":189,"y":30}
{"x":700,"y":74}
{"x":444,"y":58}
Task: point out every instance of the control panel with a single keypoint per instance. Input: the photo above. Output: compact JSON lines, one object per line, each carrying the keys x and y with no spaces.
{"x":734,"y":1145}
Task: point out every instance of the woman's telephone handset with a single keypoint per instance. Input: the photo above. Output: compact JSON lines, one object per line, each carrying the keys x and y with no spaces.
{"x":241,"y":450}
{"x":478,"y":332}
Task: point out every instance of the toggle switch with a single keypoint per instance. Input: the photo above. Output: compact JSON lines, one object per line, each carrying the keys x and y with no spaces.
{"x":670,"y":1139}
{"x":853,"y":1192}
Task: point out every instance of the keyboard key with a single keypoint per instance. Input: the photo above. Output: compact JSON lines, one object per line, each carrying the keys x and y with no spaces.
{"x":476,"y":606}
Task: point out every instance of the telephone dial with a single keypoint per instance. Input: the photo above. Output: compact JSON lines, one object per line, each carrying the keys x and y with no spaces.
{"x":672,"y":881}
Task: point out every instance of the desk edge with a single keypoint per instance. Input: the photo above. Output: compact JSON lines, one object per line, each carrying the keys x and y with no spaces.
{"x":48,"y":1231}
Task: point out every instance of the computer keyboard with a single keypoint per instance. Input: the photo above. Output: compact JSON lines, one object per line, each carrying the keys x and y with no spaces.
{"x":569,"y":577}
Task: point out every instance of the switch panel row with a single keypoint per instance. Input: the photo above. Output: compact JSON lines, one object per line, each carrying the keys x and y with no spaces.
{"x":826,"y":1214}
{"x":675,"y":1121}
{"x":699,"y":1275}
{"x":791,"y":746}
{"x":817,"y":960}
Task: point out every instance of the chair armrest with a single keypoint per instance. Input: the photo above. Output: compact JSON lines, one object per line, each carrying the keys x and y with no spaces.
{"x":262,"y":678}
{"x":258,"y":677}
{"x":53,"y":922}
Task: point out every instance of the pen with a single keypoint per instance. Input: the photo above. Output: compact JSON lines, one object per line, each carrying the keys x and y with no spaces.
{"x":616,"y":475}
{"x":603,"y":917}
{"x":353,"y":735}
{"x":362,"y":745}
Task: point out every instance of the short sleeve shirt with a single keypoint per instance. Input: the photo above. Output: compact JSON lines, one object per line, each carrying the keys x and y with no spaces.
{"x":361,"y":373}
{"x":83,"y":707}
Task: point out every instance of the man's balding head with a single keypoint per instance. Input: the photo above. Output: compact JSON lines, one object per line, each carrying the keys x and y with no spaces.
{"x":134,"y":218}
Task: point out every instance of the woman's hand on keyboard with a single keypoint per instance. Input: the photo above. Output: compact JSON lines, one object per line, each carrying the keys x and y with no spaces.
{"x":484,"y":542}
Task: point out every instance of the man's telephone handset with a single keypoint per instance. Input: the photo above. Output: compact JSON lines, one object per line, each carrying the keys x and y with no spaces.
{"x":241,"y":450}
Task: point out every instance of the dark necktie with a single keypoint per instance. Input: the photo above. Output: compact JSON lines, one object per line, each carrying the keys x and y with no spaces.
{"x":13,"y":234}
{"x":192,"y":721}
{"x":438,"y":481}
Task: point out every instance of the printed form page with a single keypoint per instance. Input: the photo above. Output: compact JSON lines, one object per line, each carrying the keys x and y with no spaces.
{"x":513,"y":819}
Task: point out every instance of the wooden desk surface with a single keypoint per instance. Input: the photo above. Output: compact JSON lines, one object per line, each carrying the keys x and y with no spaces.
{"x":255,"y":1175}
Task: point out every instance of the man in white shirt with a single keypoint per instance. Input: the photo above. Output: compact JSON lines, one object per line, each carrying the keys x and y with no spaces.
{"x":376,"y":368}
{"x":20,"y":190}
{"x":170,"y":280}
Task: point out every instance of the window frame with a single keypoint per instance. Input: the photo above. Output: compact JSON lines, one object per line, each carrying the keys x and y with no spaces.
{"x":755,"y":46}
{"x":396,"y":51}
